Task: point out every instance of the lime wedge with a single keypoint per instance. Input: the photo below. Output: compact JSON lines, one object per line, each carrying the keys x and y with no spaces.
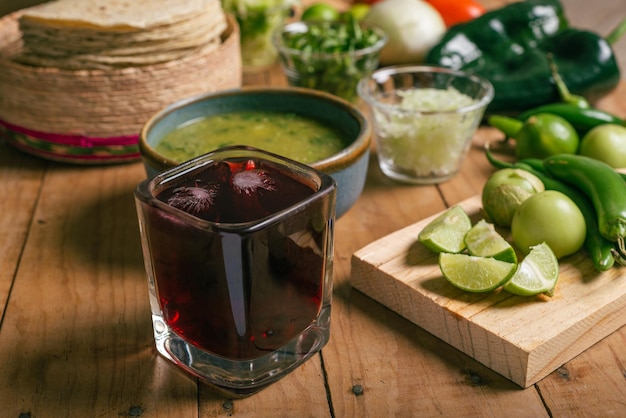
{"x":445,"y":233}
{"x":484,"y":241}
{"x":537,"y":273}
{"x":475,"y":274}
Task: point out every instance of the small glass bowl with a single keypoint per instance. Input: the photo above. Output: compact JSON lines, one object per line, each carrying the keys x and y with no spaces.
{"x":337,"y":73}
{"x":424,"y":119}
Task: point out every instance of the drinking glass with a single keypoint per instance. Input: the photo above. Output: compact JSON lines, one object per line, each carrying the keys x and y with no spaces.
{"x":238,"y":250}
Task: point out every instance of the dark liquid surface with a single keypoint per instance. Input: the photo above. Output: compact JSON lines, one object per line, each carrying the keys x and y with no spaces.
{"x":233,"y":192}
{"x":240,"y":295}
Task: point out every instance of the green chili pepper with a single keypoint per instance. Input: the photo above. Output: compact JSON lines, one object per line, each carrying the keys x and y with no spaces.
{"x":600,"y":249}
{"x":564,"y":93}
{"x":604,"y":187}
{"x":573,"y":108}
{"x":583,"y":120}
{"x":508,"y":46}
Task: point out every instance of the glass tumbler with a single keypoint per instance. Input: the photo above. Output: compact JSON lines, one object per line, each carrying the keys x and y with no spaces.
{"x":238,"y":250}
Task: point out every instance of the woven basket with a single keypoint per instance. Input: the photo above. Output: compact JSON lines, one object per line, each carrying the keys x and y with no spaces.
{"x":95,"y":116}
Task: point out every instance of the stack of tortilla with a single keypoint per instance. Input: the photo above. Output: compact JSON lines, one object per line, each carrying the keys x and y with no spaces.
{"x":113,"y":34}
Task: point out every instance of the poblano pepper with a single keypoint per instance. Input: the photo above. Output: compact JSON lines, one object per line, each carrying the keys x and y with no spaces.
{"x":510,"y":47}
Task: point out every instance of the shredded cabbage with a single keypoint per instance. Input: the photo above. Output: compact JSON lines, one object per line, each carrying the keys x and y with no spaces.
{"x":421,"y":144}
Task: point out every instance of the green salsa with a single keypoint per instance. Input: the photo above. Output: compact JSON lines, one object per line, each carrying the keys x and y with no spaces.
{"x":287,"y":134}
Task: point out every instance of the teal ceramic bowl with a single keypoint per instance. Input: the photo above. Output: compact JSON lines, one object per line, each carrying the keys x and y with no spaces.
{"x":348,"y":167}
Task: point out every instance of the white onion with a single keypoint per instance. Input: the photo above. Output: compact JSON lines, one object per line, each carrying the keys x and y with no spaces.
{"x":413,"y":28}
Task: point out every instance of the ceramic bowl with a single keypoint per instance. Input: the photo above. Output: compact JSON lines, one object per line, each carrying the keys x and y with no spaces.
{"x":348,"y":167}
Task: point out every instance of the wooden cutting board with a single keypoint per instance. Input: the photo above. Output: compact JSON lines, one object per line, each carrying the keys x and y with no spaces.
{"x":522,"y":338}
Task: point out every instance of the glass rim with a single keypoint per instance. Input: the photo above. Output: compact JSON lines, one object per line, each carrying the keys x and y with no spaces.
{"x":385,"y":73}
{"x":144,"y":191}
{"x":301,"y":27}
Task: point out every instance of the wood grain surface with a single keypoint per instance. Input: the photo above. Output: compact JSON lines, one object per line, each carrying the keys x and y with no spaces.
{"x":75,"y":327}
{"x":522,"y":338}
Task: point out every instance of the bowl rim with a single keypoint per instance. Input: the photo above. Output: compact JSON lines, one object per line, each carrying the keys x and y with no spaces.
{"x":384,"y":73}
{"x":337,"y":162}
{"x":302,"y":26}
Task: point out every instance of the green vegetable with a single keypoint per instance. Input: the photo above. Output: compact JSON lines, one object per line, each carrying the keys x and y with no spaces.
{"x":357,"y":11}
{"x":257,"y":20}
{"x":606,"y":143}
{"x":330,"y":56}
{"x":599,"y":248}
{"x":539,"y":136}
{"x":564,"y":93}
{"x":504,"y":192}
{"x":319,"y":11}
{"x":508,"y":46}
{"x":551,"y":217}
{"x":600,"y":183}
{"x":582,"y":119}
{"x":573,"y":108}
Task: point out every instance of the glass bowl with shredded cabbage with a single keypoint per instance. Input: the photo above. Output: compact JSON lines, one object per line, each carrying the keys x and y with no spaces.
{"x":424,"y":119}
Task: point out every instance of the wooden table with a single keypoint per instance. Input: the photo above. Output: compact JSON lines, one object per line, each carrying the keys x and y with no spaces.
{"x":76,"y":337}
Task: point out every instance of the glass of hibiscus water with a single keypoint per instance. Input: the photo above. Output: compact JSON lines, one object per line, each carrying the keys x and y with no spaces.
{"x":238,"y":250}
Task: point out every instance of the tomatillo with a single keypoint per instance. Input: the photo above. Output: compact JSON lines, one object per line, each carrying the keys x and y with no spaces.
{"x":606,"y":143}
{"x":544,"y":135}
{"x":539,"y":136}
{"x":504,"y":192}
{"x":550,"y":217}
{"x":320,"y":12}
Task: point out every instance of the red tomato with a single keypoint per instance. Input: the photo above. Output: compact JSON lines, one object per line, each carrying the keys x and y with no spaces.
{"x":457,"y":11}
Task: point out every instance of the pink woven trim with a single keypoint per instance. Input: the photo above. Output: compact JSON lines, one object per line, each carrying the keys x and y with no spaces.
{"x":74,"y":140}
{"x":85,"y":158}
{"x":75,"y":158}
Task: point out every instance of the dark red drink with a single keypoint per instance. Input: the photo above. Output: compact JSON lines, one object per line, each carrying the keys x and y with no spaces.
{"x":234,"y":275}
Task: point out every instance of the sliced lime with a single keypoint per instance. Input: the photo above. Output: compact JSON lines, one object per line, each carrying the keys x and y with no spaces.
{"x":484,"y":241}
{"x":445,"y":233}
{"x":475,"y":274}
{"x":537,"y":273}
